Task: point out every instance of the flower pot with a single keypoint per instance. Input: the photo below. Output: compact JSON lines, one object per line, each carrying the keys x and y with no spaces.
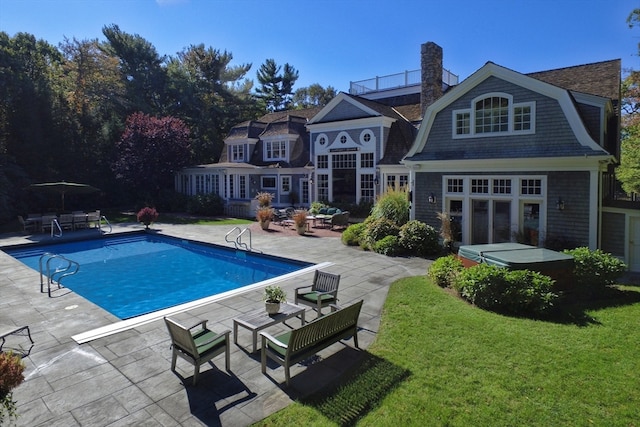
{"x":272,"y":307}
{"x":301,"y":229}
{"x":265,"y":224}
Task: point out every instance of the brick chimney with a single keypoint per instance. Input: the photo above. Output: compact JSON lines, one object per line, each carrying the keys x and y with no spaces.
{"x":431,"y":66}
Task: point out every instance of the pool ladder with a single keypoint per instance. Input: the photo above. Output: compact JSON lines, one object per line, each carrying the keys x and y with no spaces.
{"x":237,"y":241}
{"x":56,"y":229}
{"x":67,"y":268}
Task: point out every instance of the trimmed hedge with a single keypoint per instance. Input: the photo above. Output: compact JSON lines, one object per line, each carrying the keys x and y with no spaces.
{"x":420,"y":239}
{"x":445,"y":270}
{"x":520,"y":292}
{"x":352,"y":235}
{"x":595,"y":270}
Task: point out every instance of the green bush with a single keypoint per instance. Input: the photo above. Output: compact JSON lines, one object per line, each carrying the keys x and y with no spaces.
{"x":388,"y":245}
{"x":520,"y":292}
{"x":445,"y":270}
{"x":419,"y":239}
{"x":392,"y":205}
{"x":377,"y":229}
{"x":352,"y":235}
{"x":595,"y":270}
{"x":206,"y":204}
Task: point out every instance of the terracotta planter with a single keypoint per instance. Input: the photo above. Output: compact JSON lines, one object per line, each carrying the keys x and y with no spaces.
{"x":272,"y":307}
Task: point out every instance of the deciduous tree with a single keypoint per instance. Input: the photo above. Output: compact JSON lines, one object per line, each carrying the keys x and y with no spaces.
{"x":150,"y":151}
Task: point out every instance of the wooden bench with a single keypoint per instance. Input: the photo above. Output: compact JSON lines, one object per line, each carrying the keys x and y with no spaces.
{"x":298,"y":344}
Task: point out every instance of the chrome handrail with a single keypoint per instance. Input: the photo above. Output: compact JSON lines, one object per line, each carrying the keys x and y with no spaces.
{"x":71,"y":268}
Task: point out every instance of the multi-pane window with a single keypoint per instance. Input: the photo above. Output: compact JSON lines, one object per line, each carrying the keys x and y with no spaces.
{"x":501,"y":186}
{"x":366,"y":187}
{"x":455,"y":185}
{"x":215,"y":184}
{"x":531,"y":187}
{"x":366,"y":160}
{"x":492,"y":115}
{"x":323,"y":161}
{"x":199,"y":184}
{"x":323,"y":187}
{"x":242,"y":187}
{"x":522,"y":118}
{"x":275,"y":150}
{"x":237,"y":153}
{"x":404,"y":181}
{"x":285,"y":184}
{"x":344,"y":161}
{"x":463,"y":123}
{"x":479,"y":186}
{"x":391,"y":181}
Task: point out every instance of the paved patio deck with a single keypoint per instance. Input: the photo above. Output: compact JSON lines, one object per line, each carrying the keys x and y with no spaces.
{"x":124,"y":379}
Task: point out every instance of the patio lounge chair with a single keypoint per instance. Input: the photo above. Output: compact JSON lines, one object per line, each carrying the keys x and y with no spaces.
{"x":340,"y":220}
{"x":197,"y":345}
{"x":27,"y":226}
{"x":66,"y":221}
{"x":321,"y":293}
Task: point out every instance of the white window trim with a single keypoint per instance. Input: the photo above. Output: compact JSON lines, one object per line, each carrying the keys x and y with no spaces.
{"x":283,"y":178}
{"x":268,"y":145}
{"x":275,"y":180}
{"x":232,"y":157}
{"x":511,"y":121}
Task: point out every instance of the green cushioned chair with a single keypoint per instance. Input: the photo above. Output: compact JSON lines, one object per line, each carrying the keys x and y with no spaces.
{"x":321,"y":293}
{"x":197,"y":345}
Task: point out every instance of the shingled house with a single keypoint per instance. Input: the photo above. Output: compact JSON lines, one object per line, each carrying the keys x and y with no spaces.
{"x":510,"y":156}
{"x":521,"y":157}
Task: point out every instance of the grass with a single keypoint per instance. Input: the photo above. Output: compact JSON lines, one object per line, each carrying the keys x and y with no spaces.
{"x":457,"y":365}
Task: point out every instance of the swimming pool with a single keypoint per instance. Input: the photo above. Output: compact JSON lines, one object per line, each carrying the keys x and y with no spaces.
{"x":133,"y":275}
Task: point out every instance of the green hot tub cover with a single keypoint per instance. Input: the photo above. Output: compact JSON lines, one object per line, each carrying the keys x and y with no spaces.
{"x":517,"y":256}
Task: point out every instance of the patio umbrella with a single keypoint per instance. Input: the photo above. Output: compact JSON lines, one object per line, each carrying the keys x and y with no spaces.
{"x":63,"y":187}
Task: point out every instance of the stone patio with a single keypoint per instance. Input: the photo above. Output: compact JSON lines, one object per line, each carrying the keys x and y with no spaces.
{"x":124,"y":379}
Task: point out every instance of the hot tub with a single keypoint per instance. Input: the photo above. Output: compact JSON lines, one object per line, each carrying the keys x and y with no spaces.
{"x":516,"y":256}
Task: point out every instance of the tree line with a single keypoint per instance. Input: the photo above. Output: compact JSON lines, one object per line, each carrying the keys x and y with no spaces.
{"x":120,"y":116}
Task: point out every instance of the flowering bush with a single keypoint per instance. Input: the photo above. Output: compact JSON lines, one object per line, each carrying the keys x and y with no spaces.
{"x":147,"y":215}
{"x":11,"y":368}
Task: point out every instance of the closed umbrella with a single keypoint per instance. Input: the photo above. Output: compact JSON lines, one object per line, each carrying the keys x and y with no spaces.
{"x":63,"y":187}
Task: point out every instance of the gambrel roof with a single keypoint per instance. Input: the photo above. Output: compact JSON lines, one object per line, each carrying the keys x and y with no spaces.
{"x":572,"y":141}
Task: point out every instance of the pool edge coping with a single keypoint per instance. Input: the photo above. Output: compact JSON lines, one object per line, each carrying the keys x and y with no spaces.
{"x":134,"y":322}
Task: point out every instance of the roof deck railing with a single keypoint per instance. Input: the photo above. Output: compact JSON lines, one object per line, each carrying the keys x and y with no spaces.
{"x":395,"y":81}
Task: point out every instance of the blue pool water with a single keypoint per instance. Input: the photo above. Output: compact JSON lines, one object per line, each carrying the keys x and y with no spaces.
{"x":134,"y":275}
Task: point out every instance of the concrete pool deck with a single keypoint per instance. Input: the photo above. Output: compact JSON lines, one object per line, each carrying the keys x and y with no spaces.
{"x":125,"y":378}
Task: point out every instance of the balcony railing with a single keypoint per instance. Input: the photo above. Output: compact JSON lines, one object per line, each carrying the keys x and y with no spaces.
{"x":395,"y":81}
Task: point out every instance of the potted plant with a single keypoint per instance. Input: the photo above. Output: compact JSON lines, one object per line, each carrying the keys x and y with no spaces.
{"x":11,"y":369}
{"x":264,"y":216}
{"x":300,"y":219}
{"x":264,"y":199}
{"x":147,"y":215}
{"x":273,"y":296}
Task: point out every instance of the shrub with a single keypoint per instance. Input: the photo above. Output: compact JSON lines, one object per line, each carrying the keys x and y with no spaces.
{"x":595,"y":270}
{"x":392,"y":205}
{"x":316,"y":206}
{"x":206,"y":204}
{"x":418,"y":238}
{"x":377,"y":229}
{"x":352,"y":235}
{"x":445,"y":270}
{"x":11,"y":369}
{"x":506,"y":291}
{"x":388,"y":245}
{"x":147,"y":215}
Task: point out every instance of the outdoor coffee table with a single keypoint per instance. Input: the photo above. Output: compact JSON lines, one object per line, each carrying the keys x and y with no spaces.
{"x":257,"y":320}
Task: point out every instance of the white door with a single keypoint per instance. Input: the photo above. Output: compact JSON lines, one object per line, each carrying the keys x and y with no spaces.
{"x":634,"y":244}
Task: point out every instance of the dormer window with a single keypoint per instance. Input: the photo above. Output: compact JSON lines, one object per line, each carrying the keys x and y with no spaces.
{"x":275,"y":150}
{"x":494,"y":114}
{"x":236,"y":153}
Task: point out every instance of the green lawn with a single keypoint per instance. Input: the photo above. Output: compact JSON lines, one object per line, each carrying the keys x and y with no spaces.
{"x":448,"y":363}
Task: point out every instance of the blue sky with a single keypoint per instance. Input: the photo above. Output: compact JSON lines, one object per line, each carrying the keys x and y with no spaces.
{"x":333,"y":42}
